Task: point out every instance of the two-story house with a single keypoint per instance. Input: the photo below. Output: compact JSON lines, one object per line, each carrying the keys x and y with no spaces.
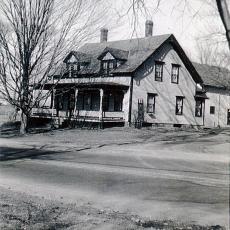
{"x":148,"y":80}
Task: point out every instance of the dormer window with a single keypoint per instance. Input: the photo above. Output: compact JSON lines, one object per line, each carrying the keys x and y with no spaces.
{"x":111,"y":58}
{"x":111,"y":64}
{"x":76,"y":61}
{"x":73,"y":68}
{"x":107,"y":65}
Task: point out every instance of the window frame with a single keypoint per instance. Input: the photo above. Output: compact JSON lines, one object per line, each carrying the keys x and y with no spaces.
{"x":153,"y":104}
{"x":182,"y":106}
{"x":161,"y":64}
{"x":228,"y":116}
{"x":108,"y":65}
{"x":73,"y":68}
{"x":117,"y":97}
{"x":201,"y":109}
{"x":90,"y":96}
{"x":212,"y":112}
{"x":178,"y":73}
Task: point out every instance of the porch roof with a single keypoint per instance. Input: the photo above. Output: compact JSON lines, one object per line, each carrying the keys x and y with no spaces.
{"x":201,"y":95}
{"x":97,"y":85}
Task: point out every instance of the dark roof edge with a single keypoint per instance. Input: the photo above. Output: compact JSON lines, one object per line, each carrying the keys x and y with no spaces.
{"x":195,"y":75}
{"x":217,"y":87}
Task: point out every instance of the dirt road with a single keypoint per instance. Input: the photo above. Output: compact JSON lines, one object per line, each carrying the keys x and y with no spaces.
{"x":186,"y":180}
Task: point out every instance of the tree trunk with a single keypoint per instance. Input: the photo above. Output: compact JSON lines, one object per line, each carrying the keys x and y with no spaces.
{"x":225,"y":17}
{"x":24,"y":124}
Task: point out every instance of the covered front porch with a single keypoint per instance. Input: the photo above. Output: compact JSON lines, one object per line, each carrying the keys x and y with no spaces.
{"x":83,"y":102}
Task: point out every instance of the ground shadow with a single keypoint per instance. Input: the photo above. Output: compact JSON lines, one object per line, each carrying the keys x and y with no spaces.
{"x":9,"y":153}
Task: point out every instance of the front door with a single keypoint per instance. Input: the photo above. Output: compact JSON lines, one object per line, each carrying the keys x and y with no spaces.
{"x":228,"y":117}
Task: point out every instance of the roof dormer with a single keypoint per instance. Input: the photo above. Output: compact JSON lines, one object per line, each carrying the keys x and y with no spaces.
{"x":112,"y":53}
{"x":108,"y":56}
{"x":75,"y":56}
{"x":112,"y":58}
{"x":72,"y":60}
{"x":76,"y":61}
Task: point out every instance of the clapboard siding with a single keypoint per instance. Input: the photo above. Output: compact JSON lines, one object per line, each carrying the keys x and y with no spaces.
{"x":221,"y":100}
{"x":144,"y":82}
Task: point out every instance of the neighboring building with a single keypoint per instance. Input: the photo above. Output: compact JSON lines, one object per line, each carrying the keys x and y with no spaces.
{"x":148,"y":80}
{"x":216,"y":83}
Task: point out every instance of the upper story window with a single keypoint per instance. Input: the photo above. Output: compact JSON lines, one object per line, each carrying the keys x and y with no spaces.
{"x":107,"y":65}
{"x":104,"y":65}
{"x":159,"y":70}
{"x":151,"y":101}
{"x":72,"y":68}
{"x":198,"y":108}
{"x":179,"y":105}
{"x":175,"y":73}
{"x":112,"y":58}
{"x":75,"y":62}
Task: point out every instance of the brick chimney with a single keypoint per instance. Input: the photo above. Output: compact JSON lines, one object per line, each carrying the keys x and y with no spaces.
{"x":104,"y":35}
{"x":148,"y":28}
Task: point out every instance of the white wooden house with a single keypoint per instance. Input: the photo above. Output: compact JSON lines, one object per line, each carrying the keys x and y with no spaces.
{"x":148,"y":80}
{"x":216,"y":82}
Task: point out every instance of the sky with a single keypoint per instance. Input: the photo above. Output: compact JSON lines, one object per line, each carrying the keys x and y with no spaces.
{"x":188,"y":20}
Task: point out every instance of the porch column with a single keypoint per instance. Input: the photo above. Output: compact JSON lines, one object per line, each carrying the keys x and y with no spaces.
{"x":75,"y":105}
{"x":101,"y":104}
{"x":53,"y":101}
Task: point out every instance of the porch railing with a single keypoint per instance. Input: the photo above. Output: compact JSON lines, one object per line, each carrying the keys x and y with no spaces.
{"x":108,"y":115}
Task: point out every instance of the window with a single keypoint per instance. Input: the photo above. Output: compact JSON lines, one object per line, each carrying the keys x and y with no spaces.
{"x":107,"y":65}
{"x":73,"y":68}
{"x":72,"y":101}
{"x":175,"y":73}
{"x":88,"y":100}
{"x":110,"y":65}
{"x":104,"y":65}
{"x":179,"y":105}
{"x":228,"y":117}
{"x":212,"y":109}
{"x":113,"y":101}
{"x":198,"y":108}
{"x":159,"y":71}
{"x":151,"y":103}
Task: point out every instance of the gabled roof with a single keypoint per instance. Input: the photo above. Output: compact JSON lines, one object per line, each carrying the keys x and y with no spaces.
{"x":138,"y":50}
{"x":116,"y":53}
{"x":134,"y":51}
{"x":213,"y":75}
{"x":81,"y":57}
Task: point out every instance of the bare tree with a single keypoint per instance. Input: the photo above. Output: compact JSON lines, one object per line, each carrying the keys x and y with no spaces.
{"x":225,"y":17}
{"x":222,"y":7}
{"x":34,"y":36}
{"x":217,"y":60}
{"x":212,"y":53}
